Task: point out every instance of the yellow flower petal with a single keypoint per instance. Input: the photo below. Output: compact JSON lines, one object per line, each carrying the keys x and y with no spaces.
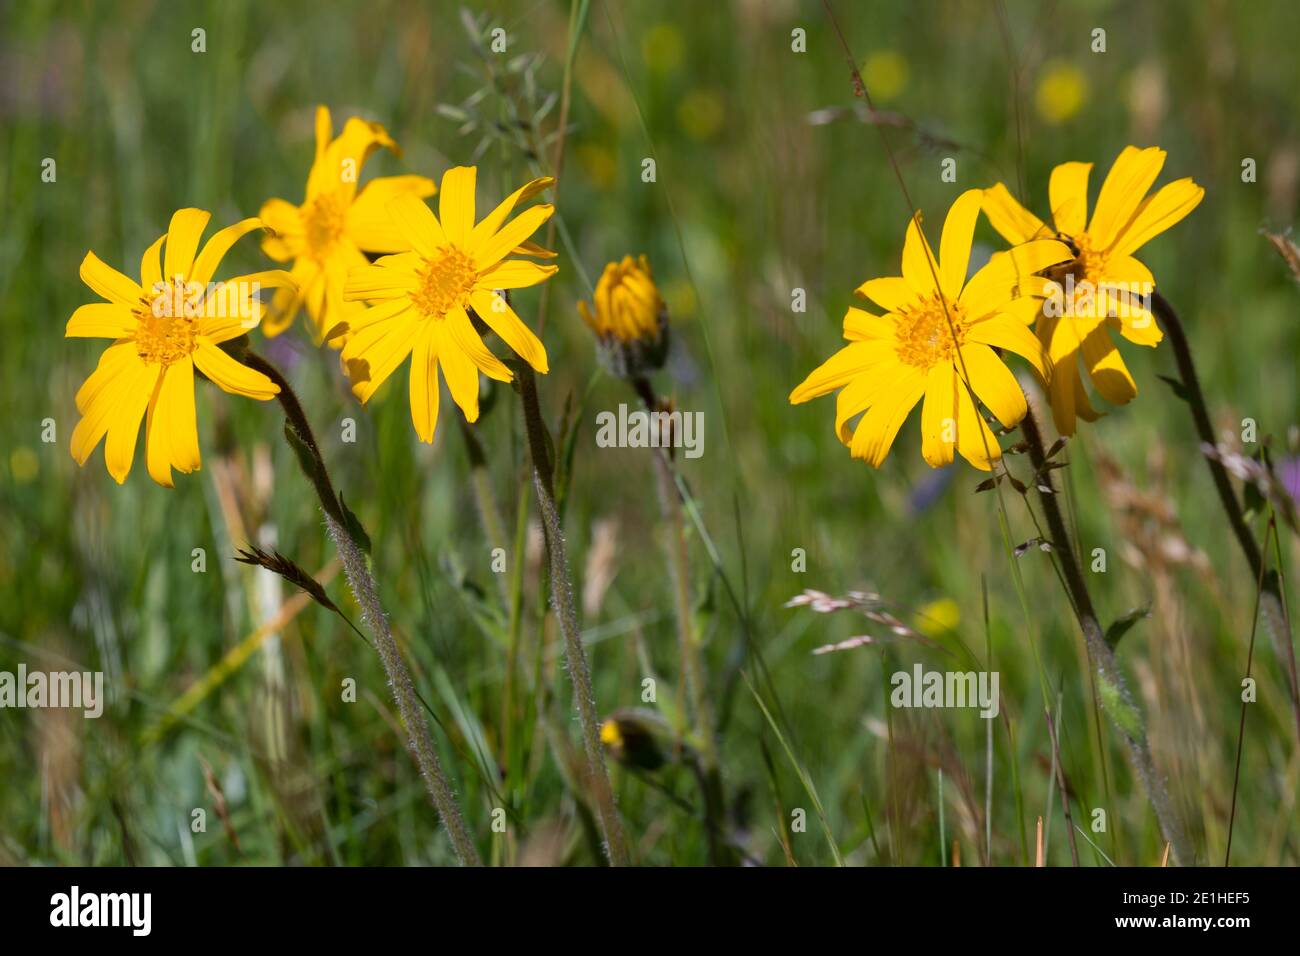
{"x":849,"y":362}
{"x":517,"y":274}
{"x":488,"y":227}
{"x":863,"y":326}
{"x":101,"y":394}
{"x":877,"y":429}
{"x":1008,"y":332}
{"x":183,"y":235}
{"x":379,"y":282}
{"x":1011,"y":274}
{"x":171,"y":427}
{"x":230,"y":375}
{"x":975,"y":440}
{"x":1013,"y":221}
{"x":890,"y":293}
{"x":1068,"y":193}
{"x":955,"y":243}
{"x":459,"y":371}
{"x":920,"y":267}
{"x":866,"y":390}
{"x":215,"y":249}
{"x":939,"y":415}
{"x":368,"y":222}
{"x":466,"y":339}
{"x":338,"y":167}
{"x":124,"y":420}
{"x":417,"y":224}
{"x":381,"y":348}
{"x":424,"y":383}
{"x":456,"y":203}
{"x":108,"y":282}
{"x":1125,"y":187}
{"x":101,"y":320}
{"x":994,"y":384}
{"x":501,"y":318}
{"x":151,"y":267}
{"x":510,"y":235}
{"x":1110,"y":376}
{"x":1167,"y":207}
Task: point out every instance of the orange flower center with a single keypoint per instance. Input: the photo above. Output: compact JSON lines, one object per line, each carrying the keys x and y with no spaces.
{"x":925,"y":333}
{"x":446,"y":281}
{"x":166,"y":326}
{"x":324,"y":221}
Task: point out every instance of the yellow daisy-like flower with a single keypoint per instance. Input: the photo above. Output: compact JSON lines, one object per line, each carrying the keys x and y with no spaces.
{"x":167,"y":325}
{"x":423,"y":297}
{"x":935,"y":338}
{"x":1102,"y":287}
{"x":335,"y":224}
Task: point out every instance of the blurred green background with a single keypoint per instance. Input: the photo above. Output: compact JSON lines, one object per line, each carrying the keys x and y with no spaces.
{"x":767,"y":181}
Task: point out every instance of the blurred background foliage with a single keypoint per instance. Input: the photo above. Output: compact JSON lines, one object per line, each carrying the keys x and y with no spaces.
{"x":768,"y":180}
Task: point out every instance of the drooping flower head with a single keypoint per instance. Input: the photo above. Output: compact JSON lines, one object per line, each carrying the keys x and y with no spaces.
{"x":629,"y":318}
{"x":938,"y":336}
{"x":1102,"y":287}
{"x":336,"y":223}
{"x":164,"y":327}
{"x":423,"y":297}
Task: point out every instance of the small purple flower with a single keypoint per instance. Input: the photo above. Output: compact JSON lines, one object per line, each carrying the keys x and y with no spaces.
{"x":1288,"y":472}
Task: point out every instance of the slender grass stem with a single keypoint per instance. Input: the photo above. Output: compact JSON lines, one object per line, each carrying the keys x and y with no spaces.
{"x":1119,"y":702}
{"x":366,"y":592}
{"x":567,"y":615}
{"x":1241,"y":726}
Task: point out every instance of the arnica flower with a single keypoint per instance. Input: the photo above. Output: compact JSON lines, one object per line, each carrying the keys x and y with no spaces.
{"x":335,"y":224}
{"x":170,"y":323}
{"x":1102,"y":287}
{"x":423,"y":297}
{"x":629,"y":318}
{"x":937,"y":336}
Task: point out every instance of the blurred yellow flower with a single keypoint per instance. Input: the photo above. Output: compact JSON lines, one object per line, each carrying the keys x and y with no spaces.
{"x":24,"y":465}
{"x":700,"y":114}
{"x":937,"y":335}
{"x":1102,"y":287}
{"x":423,"y":296}
{"x":885,"y":73}
{"x":939,"y":617}
{"x":164,"y":327}
{"x":662,"y":48}
{"x":335,"y":224}
{"x":1061,"y":92}
{"x":599,"y":164}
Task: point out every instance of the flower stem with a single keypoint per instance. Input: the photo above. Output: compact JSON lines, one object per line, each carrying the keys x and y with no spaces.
{"x":692,"y":668}
{"x":1116,"y":698}
{"x":366,"y":592}
{"x":567,"y":615}
{"x":1271,"y":595}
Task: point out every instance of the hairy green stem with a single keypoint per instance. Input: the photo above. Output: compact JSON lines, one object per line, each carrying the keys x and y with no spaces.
{"x":366,"y":592}
{"x":567,"y":615}
{"x":1119,"y":703}
{"x":692,"y":667}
